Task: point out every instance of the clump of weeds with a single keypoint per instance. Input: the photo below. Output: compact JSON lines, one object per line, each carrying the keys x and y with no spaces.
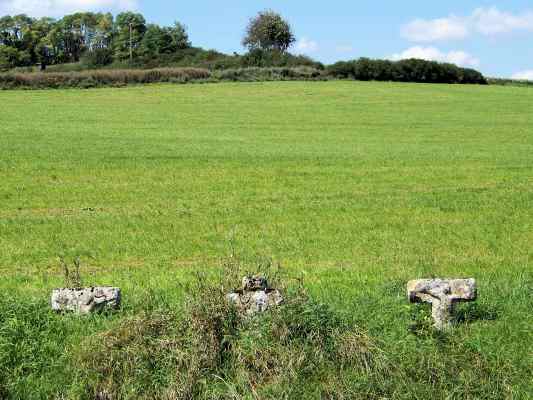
{"x":208,"y":350}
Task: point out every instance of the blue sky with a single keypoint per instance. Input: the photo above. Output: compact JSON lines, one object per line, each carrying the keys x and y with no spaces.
{"x":495,"y":37}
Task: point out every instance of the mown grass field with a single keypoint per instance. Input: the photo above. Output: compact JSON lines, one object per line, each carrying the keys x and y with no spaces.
{"x":353,"y":187}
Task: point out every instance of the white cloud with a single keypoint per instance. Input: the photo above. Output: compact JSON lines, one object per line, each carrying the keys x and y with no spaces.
{"x":421,"y":30}
{"x":58,"y":8}
{"x":306,"y":45}
{"x":491,"y":21}
{"x":461,"y":58}
{"x":524,"y":75}
{"x":485,"y":21}
{"x":433,"y":54}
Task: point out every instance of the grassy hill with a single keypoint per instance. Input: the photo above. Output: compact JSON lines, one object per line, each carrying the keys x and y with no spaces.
{"x":353,"y":187}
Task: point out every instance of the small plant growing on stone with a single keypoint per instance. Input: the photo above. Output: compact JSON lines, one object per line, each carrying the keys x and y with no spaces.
{"x":72,"y":276}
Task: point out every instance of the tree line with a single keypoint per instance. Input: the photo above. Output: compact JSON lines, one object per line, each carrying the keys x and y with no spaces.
{"x":26,"y":41}
{"x":94,"y":40}
{"x":102,"y":39}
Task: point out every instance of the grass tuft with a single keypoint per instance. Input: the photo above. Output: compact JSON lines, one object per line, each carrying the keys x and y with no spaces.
{"x":195,"y":352}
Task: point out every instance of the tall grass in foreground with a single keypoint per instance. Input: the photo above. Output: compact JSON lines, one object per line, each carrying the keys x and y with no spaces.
{"x":203,"y":348}
{"x":209,"y":350}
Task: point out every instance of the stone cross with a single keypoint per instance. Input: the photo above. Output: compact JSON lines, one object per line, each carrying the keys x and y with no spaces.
{"x":443,"y":294}
{"x":85,"y":300}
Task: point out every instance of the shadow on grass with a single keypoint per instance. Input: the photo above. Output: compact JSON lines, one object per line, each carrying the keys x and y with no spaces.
{"x":474,"y":312}
{"x":422,"y":323}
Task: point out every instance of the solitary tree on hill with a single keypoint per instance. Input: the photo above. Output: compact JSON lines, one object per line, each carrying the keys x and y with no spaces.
{"x":268,"y":31}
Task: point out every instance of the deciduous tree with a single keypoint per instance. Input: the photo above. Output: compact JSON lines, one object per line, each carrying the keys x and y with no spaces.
{"x":268,"y":31}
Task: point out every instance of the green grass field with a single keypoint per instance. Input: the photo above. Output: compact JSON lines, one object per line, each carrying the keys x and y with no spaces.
{"x":353,"y":187}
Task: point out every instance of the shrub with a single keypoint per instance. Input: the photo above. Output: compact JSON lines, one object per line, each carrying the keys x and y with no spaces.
{"x":98,"y":78}
{"x":275,"y":58}
{"x":268,"y":74}
{"x":11,"y":57}
{"x":509,"y":82}
{"x":412,"y":70}
{"x":97,"y":58}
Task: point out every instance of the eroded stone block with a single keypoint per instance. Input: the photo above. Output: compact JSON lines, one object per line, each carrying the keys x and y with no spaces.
{"x":253,"y":283}
{"x":85,"y":300}
{"x":255,"y":296}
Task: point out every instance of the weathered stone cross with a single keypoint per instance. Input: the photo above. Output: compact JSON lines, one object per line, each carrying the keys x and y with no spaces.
{"x":443,"y":294}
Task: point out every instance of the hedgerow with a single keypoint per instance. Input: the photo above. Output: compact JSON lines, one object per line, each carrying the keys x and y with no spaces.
{"x":364,"y":69}
{"x":99,"y":78}
{"x":412,"y":70}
